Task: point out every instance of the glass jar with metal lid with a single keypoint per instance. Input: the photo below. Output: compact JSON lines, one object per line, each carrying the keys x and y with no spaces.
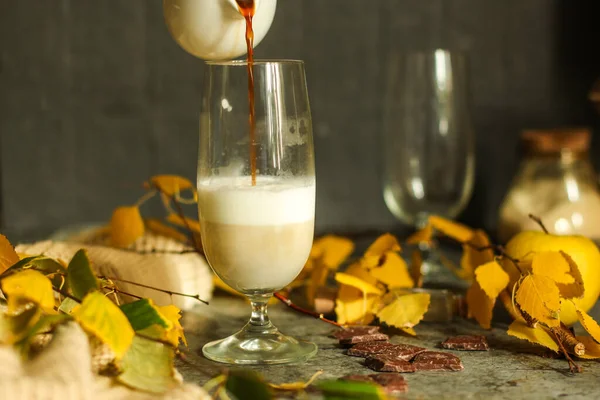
{"x":555,"y":182}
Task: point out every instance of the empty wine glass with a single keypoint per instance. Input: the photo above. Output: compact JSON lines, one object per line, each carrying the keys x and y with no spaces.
{"x":428,"y":144}
{"x":256,"y":196}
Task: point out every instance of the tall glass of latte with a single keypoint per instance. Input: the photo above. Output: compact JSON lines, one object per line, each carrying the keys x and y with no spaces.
{"x":256,"y":191}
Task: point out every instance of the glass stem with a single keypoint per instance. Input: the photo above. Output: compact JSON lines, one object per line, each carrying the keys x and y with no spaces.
{"x":259,"y":319}
{"x":421,"y":220}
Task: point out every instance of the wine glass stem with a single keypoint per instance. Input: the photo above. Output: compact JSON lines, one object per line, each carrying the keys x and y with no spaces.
{"x":421,"y":221}
{"x":259,"y":319}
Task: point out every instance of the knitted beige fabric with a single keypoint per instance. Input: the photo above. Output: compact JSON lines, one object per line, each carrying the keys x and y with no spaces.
{"x":155,"y":262}
{"x":63,"y":372}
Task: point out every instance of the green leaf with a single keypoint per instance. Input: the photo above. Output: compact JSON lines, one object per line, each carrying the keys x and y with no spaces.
{"x":143,"y":313}
{"x":148,"y":366}
{"x":340,"y":389}
{"x":80,"y":276}
{"x":67,"y":305}
{"x":102,"y":318}
{"x":246,"y":384}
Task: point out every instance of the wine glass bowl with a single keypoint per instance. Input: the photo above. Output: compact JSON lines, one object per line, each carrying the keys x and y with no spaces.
{"x":256,"y":233}
{"x":429,"y":159}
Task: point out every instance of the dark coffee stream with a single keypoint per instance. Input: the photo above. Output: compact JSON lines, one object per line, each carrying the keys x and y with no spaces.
{"x":247,"y":9}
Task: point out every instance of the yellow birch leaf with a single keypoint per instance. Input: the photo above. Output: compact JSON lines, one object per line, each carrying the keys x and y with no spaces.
{"x":589,"y":324}
{"x":405,"y":311}
{"x":536,"y":335}
{"x":382,"y":245}
{"x":393,"y":272}
{"x":126,"y":226}
{"x":184,"y":222}
{"x":318,"y":277}
{"x":173,"y":314}
{"x":416,"y":261}
{"x":332,"y":250}
{"x":156,"y":226}
{"x":459,"y":232}
{"x":362,"y":273}
{"x":425,"y":235}
{"x":479,"y":306}
{"x":296,"y":386}
{"x":409,"y":331}
{"x":354,"y":307}
{"x":28,"y":286}
{"x":592,"y":349}
{"x":171,"y":184}
{"x":553,"y":265}
{"x":363,"y":286}
{"x":103,"y":319}
{"x":8,"y":255}
{"x":538,"y":296}
{"x":575,"y":289}
{"x":492,"y":279}
{"x":473,"y":258}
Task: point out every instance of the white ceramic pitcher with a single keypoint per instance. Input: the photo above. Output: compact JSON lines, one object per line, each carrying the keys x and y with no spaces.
{"x":215,"y":29}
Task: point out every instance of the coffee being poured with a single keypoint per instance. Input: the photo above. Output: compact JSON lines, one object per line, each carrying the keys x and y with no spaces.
{"x":247,"y":9}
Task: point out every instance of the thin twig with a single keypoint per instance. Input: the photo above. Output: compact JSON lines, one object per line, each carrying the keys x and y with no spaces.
{"x":182,"y":216}
{"x":114,"y":289}
{"x":63,"y":293}
{"x":313,"y":314}
{"x":169,"y":292}
{"x":538,"y":221}
{"x":154,"y":251}
{"x":498,"y":249}
{"x":145,"y":198}
{"x":569,"y":340}
{"x":572,"y":366}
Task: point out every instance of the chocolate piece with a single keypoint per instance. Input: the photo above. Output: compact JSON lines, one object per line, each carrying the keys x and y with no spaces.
{"x":355,"y":331}
{"x":437,"y":361}
{"x":393,"y":383}
{"x":369,"y":348}
{"x":404,"y":352}
{"x":466,"y":342}
{"x":371,"y":337}
{"x":384,"y":363}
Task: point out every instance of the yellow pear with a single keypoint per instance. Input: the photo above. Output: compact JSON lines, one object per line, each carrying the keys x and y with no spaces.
{"x":581,"y":249}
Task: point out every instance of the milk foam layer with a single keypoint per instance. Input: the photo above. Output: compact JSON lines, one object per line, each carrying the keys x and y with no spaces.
{"x":273,"y":201}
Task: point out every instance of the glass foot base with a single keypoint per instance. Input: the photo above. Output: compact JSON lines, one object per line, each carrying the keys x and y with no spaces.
{"x":261,"y":347}
{"x":437,"y":276}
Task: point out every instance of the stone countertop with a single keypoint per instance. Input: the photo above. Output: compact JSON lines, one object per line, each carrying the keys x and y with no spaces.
{"x":511,"y":369}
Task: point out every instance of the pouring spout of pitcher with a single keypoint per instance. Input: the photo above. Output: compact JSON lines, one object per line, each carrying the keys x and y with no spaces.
{"x":235,"y":5}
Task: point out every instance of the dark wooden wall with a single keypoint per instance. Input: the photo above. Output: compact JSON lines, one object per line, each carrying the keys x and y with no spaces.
{"x":95,"y":96}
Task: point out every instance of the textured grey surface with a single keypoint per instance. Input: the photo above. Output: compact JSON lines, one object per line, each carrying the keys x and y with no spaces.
{"x":512,"y":369}
{"x":95,"y":96}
